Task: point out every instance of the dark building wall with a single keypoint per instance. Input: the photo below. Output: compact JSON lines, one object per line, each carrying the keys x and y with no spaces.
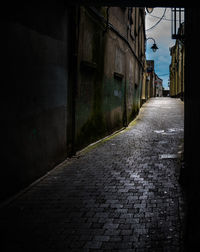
{"x":165,"y":93}
{"x":69,"y":77}
{"x":88,"y":109}
{"x":34,"y":94}
{"x":192,"y":133}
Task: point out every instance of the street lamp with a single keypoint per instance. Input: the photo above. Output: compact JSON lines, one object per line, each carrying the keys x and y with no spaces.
{"x":154,"y":46}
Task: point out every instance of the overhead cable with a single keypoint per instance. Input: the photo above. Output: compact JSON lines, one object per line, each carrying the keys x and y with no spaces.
{"x":158,"y":21}
{"x":163,"y":74}
{"x":167,"y":19}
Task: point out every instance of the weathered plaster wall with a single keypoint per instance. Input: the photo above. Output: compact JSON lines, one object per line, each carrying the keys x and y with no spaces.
{"x":109,"y":76}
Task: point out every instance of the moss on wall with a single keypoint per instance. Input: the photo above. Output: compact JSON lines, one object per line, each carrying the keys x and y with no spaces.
{"x":93,"y":126}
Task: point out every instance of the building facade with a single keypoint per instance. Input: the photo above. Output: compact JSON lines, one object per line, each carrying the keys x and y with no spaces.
{"x":110,"y":67}
{"x":177,"y":66}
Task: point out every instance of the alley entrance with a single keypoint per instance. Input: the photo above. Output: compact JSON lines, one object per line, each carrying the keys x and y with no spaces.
{"x":121,"y":194}
{"x":39,"y":86}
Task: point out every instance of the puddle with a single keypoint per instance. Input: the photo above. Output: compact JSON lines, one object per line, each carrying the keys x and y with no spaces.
{"x":168,"y":131}
{"x":168,"y":156}
{"x":172,"y":130}
{"x":159,"y":131}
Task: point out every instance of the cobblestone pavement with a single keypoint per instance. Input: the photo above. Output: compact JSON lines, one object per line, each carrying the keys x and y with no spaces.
{"x":122,"y":195}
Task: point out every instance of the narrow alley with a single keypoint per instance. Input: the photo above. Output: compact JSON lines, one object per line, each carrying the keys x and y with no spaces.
{"x":121,"y":194}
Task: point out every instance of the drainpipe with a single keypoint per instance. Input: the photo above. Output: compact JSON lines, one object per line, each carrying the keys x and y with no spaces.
{"x":107,"y":19}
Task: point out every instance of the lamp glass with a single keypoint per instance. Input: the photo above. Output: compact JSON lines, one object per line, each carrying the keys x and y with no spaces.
{"x":149,"y":10}
{"x":154,"y":47}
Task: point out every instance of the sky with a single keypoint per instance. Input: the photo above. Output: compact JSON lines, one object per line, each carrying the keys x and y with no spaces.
{"x":162,"y":35}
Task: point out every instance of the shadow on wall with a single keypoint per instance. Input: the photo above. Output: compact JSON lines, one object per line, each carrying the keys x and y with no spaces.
{"x":33,"y":95}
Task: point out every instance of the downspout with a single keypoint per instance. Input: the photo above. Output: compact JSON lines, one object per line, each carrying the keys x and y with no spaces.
{"x":125,"y":121}
{"x":107,"y":19}
{"x":113,"y":29}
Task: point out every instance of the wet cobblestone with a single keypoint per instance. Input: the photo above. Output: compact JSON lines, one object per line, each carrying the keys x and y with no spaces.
{"x":119,"y":196}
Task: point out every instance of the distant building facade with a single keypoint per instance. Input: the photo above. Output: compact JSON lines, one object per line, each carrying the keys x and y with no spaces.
{"x":158,"y":86}
{"x":177,"y":66}
{"x":151,"y":77}
{"x":165,"y":92}
{"x":154,"y":84}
